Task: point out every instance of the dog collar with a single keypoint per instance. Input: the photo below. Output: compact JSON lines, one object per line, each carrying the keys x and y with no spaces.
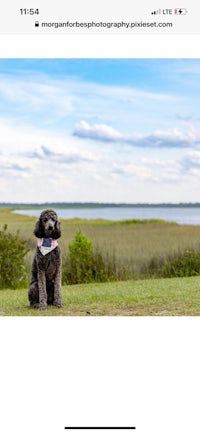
{"x":46,"y":245}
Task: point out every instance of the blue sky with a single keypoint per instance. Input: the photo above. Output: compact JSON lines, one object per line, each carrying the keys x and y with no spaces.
{"x":106,"y":130}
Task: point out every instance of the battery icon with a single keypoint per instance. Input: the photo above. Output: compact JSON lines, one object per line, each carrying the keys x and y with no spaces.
{"x":36,"y":23}
{"x":180,"y":11}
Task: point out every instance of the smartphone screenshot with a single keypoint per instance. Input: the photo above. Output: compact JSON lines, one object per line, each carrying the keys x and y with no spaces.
{"x":99,"y":216}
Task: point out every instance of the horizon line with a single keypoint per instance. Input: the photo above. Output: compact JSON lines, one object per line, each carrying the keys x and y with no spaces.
{"x":97,"y":203}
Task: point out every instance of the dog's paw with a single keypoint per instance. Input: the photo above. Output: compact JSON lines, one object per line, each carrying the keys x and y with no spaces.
{"x":36,"y":305}
{"x":57,"y":304}
{"x":40,"y":306}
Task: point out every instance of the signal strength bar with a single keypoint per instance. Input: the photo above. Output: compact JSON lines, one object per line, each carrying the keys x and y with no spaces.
{"x":157,"y":12}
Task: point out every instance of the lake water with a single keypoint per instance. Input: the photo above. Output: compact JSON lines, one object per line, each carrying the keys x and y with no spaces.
{"x":180,"y":215}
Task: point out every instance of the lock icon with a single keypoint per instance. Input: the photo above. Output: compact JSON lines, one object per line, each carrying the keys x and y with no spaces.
{"x":36,"y":23}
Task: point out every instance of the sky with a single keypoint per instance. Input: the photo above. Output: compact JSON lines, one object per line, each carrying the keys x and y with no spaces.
{"x":100,"y":130}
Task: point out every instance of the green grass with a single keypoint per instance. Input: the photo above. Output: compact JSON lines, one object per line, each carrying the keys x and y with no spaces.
{"x":154,"y":297}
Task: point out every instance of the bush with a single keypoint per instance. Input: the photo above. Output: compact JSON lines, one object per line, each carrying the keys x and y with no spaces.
{"x":12,"y":251}
{"x":181,"y":264}
{"x":186,"y":264}
{"x":80,"y":259}
{"x":86,"y":264}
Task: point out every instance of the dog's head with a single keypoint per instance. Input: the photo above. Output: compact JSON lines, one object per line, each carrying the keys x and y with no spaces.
{"x":48,"y":225}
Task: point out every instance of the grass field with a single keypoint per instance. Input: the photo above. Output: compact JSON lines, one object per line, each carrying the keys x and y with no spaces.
{"x":160,"y":297}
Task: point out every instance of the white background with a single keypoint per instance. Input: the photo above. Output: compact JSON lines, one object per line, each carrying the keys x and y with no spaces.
{"x":57,"y":372}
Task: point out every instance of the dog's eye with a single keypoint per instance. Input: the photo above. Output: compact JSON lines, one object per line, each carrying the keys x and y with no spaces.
{"x":45,"y":219}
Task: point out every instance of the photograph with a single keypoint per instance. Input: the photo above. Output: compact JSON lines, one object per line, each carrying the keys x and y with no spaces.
{"x":99,"y":178}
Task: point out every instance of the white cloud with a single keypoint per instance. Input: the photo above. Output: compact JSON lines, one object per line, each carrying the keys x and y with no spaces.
{"x":41,"y":99}
{"x":97,"y":132}
{"x":37,"y":166}
{"x":150,"y":170}
{"x":35,"y":95}
{"x":159,"y":138}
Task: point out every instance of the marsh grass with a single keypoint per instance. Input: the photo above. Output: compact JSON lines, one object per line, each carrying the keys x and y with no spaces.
{"x":184,"y":263}
{"x":131,"y":244}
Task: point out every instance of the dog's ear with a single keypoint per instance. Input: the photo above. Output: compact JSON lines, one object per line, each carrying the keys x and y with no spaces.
{"x":57,"y":230}
{"x":39,"y":231}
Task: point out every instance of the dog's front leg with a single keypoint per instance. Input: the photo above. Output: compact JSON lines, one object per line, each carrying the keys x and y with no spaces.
{"x":42,"y":290}
{"x":57,"y":290}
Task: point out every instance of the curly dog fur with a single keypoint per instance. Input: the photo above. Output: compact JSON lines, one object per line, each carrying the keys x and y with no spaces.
{"x":45,"y":286}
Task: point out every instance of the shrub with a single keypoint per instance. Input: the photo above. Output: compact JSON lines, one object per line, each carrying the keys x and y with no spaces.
{"x":186,"y":264}
{"x":85,"y":264}
{"x":80,"y":259}
{"x":181,"y":264}
{"x":12,"y":251}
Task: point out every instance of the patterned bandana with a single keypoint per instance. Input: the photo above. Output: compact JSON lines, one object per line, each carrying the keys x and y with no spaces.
{"x":46,"y":245}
